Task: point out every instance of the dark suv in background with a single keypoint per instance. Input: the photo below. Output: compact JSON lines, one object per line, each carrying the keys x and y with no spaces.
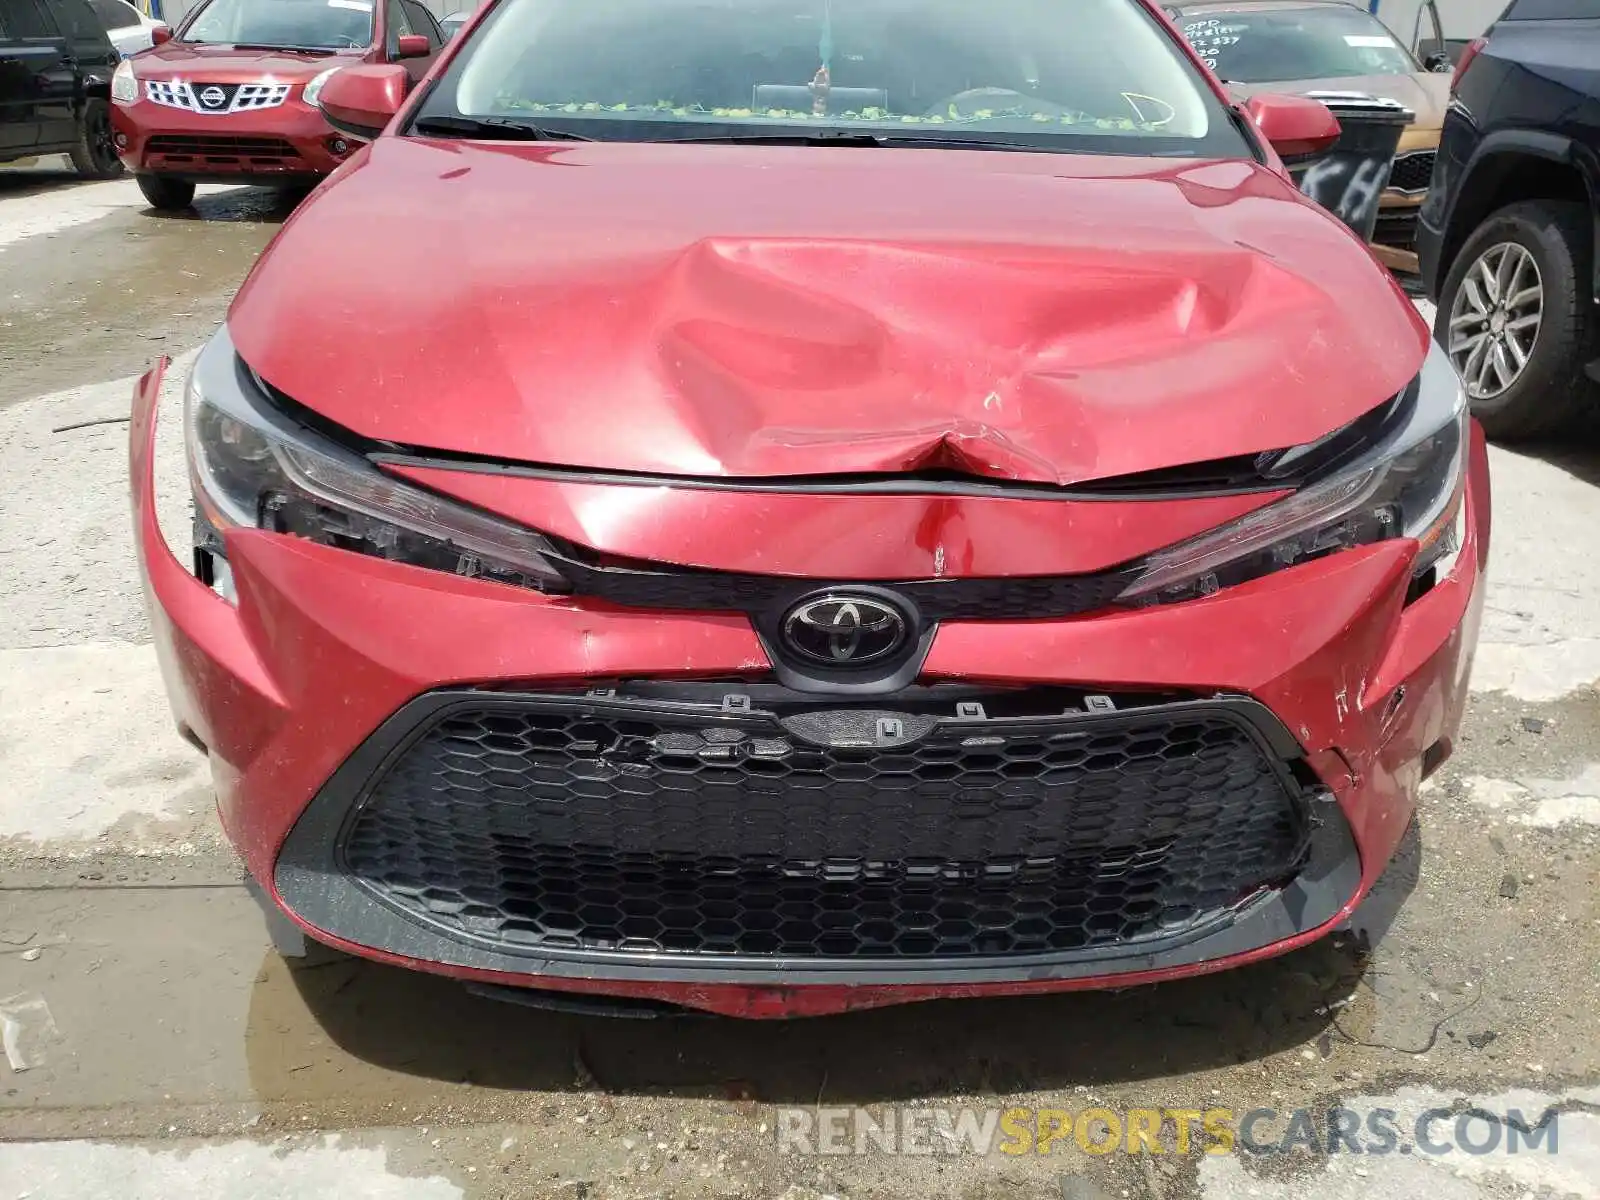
{"x":1510,"y":228}
{"x":55,"y":75}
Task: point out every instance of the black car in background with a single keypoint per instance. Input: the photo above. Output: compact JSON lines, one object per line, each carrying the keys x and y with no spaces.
{"x":55,"y":77}
{"x":1509,"y":232}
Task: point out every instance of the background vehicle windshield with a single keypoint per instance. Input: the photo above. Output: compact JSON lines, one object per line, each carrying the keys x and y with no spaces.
{"x":1003,"y":70}
{"x":115,"y":14}
{"x":318,"y":24}
{"x":1315,"y":42}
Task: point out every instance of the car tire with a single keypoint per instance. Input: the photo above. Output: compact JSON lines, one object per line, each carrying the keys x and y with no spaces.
{"x":166,"y":193}
{"x":95,"y":154}
{"x":1551,"y":390}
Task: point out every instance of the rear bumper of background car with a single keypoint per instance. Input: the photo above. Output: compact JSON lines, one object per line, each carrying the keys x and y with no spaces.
{"x":291,"y":143}
{"x":331,"y":661}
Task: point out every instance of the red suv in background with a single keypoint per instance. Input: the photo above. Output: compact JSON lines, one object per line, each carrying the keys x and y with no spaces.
{"x":230,"y":97}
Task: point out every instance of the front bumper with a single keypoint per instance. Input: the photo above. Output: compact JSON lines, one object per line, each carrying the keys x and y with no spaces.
{"x":290,"y":143}
{"x":333,"y":664}
{"x":1394,"y":238}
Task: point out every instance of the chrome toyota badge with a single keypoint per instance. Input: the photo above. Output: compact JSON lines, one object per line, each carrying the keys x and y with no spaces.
{"x":845,"y":631}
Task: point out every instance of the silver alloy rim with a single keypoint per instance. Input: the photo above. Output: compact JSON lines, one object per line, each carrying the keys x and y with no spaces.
{"x":1494,"y":321}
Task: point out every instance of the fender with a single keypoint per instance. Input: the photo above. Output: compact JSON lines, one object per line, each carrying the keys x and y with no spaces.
{"x":1495,"y":155}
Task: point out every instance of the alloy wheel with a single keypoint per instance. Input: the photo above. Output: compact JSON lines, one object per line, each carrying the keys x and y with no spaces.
{"x":1494,"y":320}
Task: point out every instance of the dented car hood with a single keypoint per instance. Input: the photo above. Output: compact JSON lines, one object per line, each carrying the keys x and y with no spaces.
{"x":765,"y":311}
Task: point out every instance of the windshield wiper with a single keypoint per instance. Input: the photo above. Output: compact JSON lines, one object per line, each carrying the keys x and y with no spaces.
{"x":855,"y":139}
{"x":494,"y":127}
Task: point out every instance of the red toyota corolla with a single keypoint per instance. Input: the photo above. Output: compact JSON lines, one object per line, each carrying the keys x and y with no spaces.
{"x":777,"y":506}
{"x":232,"y":97}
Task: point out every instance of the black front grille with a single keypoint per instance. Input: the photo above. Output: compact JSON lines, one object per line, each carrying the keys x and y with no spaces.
{"x":1412,"y":172}
{"x":794,"y":829}
{"x":972,"y":599}
{"x":214,"y":97}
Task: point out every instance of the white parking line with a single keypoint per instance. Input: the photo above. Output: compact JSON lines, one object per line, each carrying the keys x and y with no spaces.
{"x":61,"y":208}
{"x":87,"y":745}
{"x":1538,"y":641}
{"x":1543,"y":803}
{"x":240,"y":1170}
{"x":87,"y":742}
{"x":57,"y":208}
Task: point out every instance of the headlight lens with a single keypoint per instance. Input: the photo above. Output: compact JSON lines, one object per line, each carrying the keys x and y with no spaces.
{"x":124,"y":83}
{"x":254,"y":468}
{"x":1410,"y":484}
{"x":314,"y":88}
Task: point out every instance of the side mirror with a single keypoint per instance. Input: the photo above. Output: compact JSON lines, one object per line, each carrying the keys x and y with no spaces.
{"x":1438,"y":62}
{"x":413,"y":45}
{"x":1297,"y":127}
{"x":160,"y":35}
{"x":361,"y":100}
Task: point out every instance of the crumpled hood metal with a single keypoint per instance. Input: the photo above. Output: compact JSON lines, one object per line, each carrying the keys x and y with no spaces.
{"x":780,"y":311}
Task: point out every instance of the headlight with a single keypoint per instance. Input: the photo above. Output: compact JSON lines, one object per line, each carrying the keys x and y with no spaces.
{"x":124,"y":83}
{"x":314,"y":88}
{"x":1408,"y":484}
{"x":254,"y":467}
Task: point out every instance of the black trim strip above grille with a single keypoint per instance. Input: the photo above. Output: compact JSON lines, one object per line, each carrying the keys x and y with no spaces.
{"x":966,"y":598}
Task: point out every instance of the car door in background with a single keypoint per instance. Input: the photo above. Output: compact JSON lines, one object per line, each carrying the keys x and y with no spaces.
{"x":404,"y":18}
{"x":424,"y":22}
{"x":89,"y":49}
{"x":18,"y":129}
{"x":127,"y":28}
{"x":40,"y":81}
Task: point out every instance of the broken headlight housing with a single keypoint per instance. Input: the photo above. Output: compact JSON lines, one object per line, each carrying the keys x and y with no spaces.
{"x":1404,"y":479}
{"x":253,"y":467}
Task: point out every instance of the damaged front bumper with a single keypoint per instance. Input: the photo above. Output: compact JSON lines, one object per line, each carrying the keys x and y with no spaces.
{"x":334,"y":676}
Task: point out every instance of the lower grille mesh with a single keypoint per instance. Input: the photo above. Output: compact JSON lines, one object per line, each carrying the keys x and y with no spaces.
{"x":1412,"y":172}
{"x":552,"y":822}
{"x":223,"y":150}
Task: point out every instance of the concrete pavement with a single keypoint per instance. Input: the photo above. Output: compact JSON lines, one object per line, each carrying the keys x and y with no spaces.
{"x":155,"y":1047}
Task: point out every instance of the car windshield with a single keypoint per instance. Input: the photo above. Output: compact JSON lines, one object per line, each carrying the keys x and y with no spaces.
{"x":1043,"y":74}
{"x":1322,"y":41}
{"x":308,"y":24}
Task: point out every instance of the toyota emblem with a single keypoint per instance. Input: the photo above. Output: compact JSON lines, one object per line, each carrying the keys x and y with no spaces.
{"x":845,"y":631}
{"x":213,"y":97}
